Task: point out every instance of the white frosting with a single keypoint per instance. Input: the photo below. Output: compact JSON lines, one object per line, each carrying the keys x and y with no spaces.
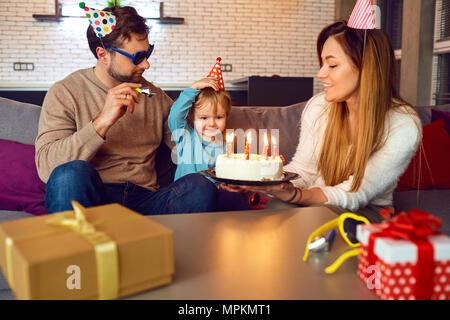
{"x":257,"y":168}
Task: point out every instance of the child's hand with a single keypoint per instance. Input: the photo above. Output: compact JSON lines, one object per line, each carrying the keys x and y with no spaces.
{"x":204,"y":83}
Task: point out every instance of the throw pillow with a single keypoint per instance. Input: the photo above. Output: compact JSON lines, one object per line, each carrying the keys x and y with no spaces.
{"x":430,"y":163}
{"x":20,"y":186}
{"x":438,"y":114}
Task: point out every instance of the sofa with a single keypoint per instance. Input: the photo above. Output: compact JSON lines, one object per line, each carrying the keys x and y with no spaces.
{"x":18,"y":177}
{"x":435,"y":195}
{"x":19,"y":123}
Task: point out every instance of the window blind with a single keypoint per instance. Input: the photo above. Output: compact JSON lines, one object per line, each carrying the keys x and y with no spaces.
{"x":443,"y":79}
{"x":392,"y":19}
{"x":442,"y":94}
{"x":445,"y":20}
{"x":396,"y":7}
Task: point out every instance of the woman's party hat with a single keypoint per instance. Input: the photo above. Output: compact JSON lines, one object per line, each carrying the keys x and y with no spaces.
{"x":363,"y":16}
{"x":216,"y":72}
{"x":102,"y":22}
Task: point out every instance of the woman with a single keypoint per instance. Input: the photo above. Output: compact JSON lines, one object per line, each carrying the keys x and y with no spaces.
{"x":359,"y":135}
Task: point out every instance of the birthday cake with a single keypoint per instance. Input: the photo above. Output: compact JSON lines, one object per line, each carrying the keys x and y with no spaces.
{"x":257,"y":168}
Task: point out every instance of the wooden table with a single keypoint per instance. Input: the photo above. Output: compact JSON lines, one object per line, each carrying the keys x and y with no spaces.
{"x":255,"y":255}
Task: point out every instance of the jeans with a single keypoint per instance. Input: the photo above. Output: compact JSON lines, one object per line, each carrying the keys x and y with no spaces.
{"x":231,"y":201}
{"x":79,"y":180}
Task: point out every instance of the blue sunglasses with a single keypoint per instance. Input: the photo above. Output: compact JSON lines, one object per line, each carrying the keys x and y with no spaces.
{"x":138,"y":57}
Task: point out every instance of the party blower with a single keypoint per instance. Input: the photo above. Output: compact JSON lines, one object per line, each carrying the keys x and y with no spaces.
{"x":146,"y":91}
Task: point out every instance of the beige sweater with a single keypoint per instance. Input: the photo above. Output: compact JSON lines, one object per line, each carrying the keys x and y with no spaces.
{"x":128,"y":152}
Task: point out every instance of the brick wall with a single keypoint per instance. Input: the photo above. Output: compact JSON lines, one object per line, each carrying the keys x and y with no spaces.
{"x":258,"y":37}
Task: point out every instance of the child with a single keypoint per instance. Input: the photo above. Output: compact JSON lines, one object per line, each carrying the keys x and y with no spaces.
{"x":197,"y":121}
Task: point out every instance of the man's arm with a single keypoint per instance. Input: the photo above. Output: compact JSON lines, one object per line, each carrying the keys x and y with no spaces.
{"x":59,"y":140}
{"x":119,"y":100}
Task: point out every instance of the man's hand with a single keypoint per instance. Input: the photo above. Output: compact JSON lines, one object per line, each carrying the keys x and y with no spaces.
{"x":119,"y":100}
{"x":205,"y":83}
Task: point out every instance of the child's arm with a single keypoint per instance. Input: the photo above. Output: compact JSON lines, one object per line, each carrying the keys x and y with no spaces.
{"x":180,"y":108}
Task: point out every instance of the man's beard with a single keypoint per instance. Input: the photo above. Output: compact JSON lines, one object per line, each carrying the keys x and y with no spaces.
{"x":121,"y":77}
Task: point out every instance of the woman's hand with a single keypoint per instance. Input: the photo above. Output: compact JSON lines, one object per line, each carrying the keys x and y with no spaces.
{"x":205,"y":83}
{"x":285,"y":192}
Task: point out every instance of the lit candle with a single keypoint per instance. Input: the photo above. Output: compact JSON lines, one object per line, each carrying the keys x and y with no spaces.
{"x":266,"y":147}
{"x":230,"y":138}
{"x":274,"y":147}
{"x":248,"y":142}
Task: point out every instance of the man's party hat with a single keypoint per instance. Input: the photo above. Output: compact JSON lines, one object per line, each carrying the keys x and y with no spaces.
{"x":102,"y":22}
{"x":216,"y":72}
{"x":363,"y":16}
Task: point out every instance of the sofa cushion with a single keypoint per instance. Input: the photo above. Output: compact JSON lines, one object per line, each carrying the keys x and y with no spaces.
{"x":18,"y":121}
{"x":429,"y":168}
{"x":425,"y":112}
{"x":435,"y":202}
{"x":285,"y":119}
{"x":20,"y":186}
{"x":439,"y":114}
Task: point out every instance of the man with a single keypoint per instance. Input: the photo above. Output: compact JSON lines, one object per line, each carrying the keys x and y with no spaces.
{"x":98,"y":136}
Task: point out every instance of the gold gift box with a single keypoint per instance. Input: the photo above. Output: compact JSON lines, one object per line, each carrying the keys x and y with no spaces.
{"x":44,"y":260}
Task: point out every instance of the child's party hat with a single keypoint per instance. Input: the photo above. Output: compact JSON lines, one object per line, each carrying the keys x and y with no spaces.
{"x":216,"y":72}
{"x":103,"y":22}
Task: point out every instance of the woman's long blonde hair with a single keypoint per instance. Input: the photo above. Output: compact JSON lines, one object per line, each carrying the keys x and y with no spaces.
{"x":377,"y":96}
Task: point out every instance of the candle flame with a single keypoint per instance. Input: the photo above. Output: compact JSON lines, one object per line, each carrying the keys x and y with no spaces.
{"x":266,"y":140}
{"x":249,"y":137}
{"x":274,"y":141}
{"x":230,"y":137}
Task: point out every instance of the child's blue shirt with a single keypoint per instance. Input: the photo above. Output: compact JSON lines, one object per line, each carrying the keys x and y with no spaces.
{"x":194,"y":153}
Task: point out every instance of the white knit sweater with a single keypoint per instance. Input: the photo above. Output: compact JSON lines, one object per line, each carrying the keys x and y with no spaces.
{"x":384,"y":167}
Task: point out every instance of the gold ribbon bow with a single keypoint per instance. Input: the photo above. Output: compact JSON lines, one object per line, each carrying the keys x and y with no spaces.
{"x":105,"y":250}
{"x":78,"y":224}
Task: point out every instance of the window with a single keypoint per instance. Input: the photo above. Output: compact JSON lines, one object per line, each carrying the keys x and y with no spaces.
{"x":391,"y":23}
{"x":444,"y":33}
{"x":442,"y":50}
{"x":443,"y":80}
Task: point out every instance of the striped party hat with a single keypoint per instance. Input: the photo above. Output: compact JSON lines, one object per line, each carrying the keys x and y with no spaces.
{"x":102,"y":22}
{"x":363,"y":16}
{"x":216,"y":72}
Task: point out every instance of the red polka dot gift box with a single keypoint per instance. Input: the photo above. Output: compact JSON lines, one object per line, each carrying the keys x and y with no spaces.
{"x":405,"y":258}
